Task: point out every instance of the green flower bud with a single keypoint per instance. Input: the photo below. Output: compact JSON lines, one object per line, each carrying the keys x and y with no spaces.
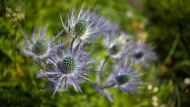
{"x":115,"y":49}
{"x":80,"y":28}
{"x":139,"y":55}
{"x":40,"y":47}
{"x":122,"y":79}
{"x":68,"y":64}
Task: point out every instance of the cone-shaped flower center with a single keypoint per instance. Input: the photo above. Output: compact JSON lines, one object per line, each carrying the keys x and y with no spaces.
{"x":80,"y":28}
{"x":139,"y":55}
{"x":40,"y":47}
{"x":68,"y":64}
{"x":115,"y":49}
{"x":122,"y":79}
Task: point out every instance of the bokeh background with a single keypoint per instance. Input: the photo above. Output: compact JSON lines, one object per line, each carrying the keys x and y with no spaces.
{"x":165,"y":23}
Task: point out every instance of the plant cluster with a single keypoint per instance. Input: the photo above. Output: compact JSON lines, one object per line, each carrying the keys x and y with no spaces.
{"x":69,"y":65}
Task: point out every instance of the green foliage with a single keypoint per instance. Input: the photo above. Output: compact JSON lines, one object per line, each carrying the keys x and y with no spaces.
{"x":169,"y":26}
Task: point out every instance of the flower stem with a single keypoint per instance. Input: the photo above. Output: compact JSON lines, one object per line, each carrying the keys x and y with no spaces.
{"x":172,"y":50}
{"x":14,"y":50}
{"x":108,"y":86}
{"x":99,"y":77}
{"x":102,"y":67}
{"x":72,"y":41}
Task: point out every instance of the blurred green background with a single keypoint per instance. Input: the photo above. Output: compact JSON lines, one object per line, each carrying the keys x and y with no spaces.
{"x":166,"y":23}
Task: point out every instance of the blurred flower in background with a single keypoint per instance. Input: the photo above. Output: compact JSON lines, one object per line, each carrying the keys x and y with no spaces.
{"x":127,"y":79}
{"x":143,"y":52}
{"x":116,"y":44}
{"x":16,"y":16}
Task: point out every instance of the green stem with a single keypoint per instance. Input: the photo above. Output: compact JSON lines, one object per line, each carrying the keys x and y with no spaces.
{"x":71,"y":44}
{"x":101,"y":69}
{"x":172,"y":49}
{"x":108,"y":86}
{"x":100,"y":76}
{"x":178,"y":96}
{"x":14,"y":50}
{"x":40,"y":64}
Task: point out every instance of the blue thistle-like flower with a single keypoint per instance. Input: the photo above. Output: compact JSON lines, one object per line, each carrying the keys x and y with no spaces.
{"x":70,"y":66}
{"x":116,"y":44}
{"x":127,"y":37}
{"x":125,"y":78}
{"x":84,"y":24}
{"x":141,"y":52}
{"x":40,"y":48}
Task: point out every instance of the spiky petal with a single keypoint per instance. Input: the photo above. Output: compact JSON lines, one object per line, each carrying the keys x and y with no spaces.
{"x":143,"y":52}
{"x":126,"y":79}
{"x":40,"y":47}
{"x":84,"y":24}
{"x":72,"y":66}
{"x":116,"y":44}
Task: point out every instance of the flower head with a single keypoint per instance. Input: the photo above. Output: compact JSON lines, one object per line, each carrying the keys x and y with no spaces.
{"x":141,"y":52}
{"x":69,"y":68}
{"x":84,"y":25}
{"x":127,"y":37}
{"x":116,"y":44}
{"x":40,"y":48}
{"x":125,"y":78}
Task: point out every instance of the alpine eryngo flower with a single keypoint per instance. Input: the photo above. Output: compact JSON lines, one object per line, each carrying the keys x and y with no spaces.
{"x":141,"y":52}
{"x":105,"y":92}
{"x":40,"y":48}
{"x":125,"y":78}
{"x":116,"y":45}
{"x":84,"y":24}
{"x":69,"y":68}
{"x":128,"y":38}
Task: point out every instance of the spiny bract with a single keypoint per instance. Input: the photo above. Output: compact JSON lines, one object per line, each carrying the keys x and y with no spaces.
{"x":84,"y":24}
{"x":72,"y":66}
{"x":116,"y":44}
{"x":40,"y":48}
{"x":142,"y":52}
